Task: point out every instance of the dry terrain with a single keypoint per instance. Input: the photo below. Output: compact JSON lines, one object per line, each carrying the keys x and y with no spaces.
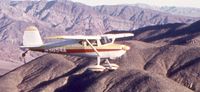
{"x":164,"y":54}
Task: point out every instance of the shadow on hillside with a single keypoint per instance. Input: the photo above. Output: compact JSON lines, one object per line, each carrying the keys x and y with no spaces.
{"x":185,"y":31}
{"x":172,"y":71}
{"x":173,"y":31}
{"x":71,"y":72}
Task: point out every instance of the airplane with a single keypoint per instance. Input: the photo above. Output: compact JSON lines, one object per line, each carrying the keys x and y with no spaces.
{"x":99,"y":46}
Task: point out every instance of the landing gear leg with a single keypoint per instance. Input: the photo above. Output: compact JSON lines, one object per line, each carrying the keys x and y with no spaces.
{"x":98,"y":61}
{"x":97,"y":67}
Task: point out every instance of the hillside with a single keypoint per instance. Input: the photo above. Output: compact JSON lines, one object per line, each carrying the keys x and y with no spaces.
{"x":146,"y":67}
{"x":175,"y":34}
{"x":160,"y":64}
{"x":66,"y":17}
{"x":183,"y":11}
{"x":164,"y":54}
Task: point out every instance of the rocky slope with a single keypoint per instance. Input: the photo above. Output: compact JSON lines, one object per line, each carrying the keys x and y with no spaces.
{"x":183,"y":11}
{"x":175,"y":34}
{"x":66,"y":17}
{"x":141,"y":17}
{"x":171,"y":52}
{"x":192,"y":12}
{"x":145,"y":68}
{"x":157,"y":61}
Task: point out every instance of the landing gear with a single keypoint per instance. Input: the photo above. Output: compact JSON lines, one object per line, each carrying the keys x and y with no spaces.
{"x":98,"y":67}
{"x":23,"y":56}
{"x":110,"y":66}
{"x":101,"y":68}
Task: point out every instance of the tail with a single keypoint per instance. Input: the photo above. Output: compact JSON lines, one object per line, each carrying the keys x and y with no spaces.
{"x":31,"y":38}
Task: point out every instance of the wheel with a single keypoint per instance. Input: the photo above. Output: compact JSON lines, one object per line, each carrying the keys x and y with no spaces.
{"x":96,"y":68}
{"x":111,"y":66}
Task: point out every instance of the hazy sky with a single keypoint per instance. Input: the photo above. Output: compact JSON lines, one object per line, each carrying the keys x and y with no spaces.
{"x":179,"y":3}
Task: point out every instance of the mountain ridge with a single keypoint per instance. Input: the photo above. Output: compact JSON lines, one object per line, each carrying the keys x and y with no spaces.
{"x":157,"y":61}
{"x":58,"y":18}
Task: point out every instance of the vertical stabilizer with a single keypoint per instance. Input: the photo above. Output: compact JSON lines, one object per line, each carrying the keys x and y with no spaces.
{"x":31,"y":37}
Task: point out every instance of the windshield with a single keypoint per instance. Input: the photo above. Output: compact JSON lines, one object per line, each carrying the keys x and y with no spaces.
{"x":105,"y":40}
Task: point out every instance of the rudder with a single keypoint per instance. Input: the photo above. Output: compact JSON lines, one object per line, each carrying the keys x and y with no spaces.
{"x":31,"y":37}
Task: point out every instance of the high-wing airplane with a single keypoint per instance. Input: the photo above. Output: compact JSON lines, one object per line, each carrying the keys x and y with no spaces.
{"x":100,"y":46}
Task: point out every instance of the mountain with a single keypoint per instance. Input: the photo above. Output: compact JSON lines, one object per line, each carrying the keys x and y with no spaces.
{"x":173,"y":34}
{"x":162,"y":58}
{"x":58,"y":73}
{"x":141,"y":17}
{"x":62,"y":17}
{"x":183,"y":11}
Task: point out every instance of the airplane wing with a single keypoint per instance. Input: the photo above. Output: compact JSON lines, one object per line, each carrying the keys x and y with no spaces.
{"x":77,"y":37}
{"x":115,"y":36}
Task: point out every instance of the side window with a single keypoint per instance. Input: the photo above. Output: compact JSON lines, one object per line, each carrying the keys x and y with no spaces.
{"x":93,"y":42}
{"x":83,"y":42}
{"x":103,"y":41}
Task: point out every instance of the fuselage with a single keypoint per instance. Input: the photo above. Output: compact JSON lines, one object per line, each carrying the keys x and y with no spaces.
{"x":106,"y":51}
{"x":100,"y":46}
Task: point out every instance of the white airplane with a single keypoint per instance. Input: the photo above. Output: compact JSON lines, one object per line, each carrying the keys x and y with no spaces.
{"x":100,"y":46}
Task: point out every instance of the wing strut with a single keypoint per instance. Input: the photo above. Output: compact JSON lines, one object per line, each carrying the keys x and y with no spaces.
{"x":93,"y":48}
{"x":98,"y":67}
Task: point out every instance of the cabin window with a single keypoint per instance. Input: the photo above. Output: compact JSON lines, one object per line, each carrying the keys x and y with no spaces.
{"x":105,"y":40}
{"x":93,"y":42}
{"x":84,"y":42}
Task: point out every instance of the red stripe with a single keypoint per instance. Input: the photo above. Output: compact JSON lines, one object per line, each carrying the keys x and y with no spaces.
{"x":89,"y":50}
{"x":68,"y":51}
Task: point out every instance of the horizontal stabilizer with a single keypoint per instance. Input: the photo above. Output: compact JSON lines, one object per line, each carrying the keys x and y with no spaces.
{"x":29,"y":46}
